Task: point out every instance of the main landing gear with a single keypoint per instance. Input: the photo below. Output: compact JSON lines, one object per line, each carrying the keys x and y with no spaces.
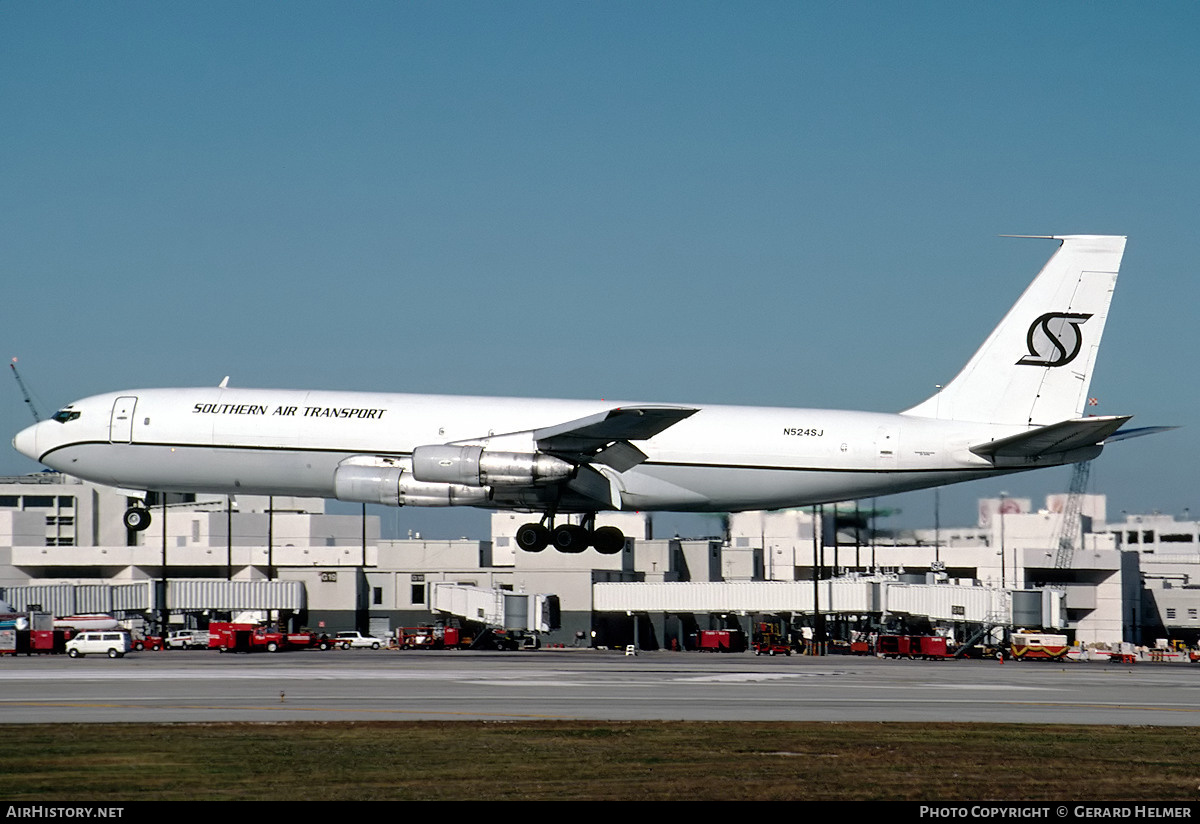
{"x":607,"y":540}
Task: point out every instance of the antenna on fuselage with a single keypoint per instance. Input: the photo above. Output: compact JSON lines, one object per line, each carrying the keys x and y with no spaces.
{"x":25,"y":392}
{"x":224,"y":384}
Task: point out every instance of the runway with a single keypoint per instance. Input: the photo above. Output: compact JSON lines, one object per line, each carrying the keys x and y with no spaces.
{"x":205,"y":686}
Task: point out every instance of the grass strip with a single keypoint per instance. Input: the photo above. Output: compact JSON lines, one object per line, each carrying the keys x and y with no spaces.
{"x":643,"y":760}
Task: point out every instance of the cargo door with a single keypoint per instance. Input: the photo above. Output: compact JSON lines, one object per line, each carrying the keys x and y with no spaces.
{"x":120,"y":427}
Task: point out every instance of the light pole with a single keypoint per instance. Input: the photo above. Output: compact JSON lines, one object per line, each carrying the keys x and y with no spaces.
{"x":1003,"y":497}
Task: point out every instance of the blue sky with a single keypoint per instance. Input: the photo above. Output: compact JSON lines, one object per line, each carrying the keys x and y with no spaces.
{"x":792,"y":204}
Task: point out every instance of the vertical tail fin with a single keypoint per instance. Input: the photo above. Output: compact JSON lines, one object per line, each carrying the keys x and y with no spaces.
{"x":1036,"y":366}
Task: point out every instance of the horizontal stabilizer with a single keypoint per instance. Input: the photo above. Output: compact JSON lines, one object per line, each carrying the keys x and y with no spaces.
{"x":1064,"y":436}
{"x":1126,"y":434}
{"x":591,"y":434}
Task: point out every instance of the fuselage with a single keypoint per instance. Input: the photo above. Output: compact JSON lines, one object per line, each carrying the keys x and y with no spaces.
{"x":1017,"y":404}
{"x":284,"y":442}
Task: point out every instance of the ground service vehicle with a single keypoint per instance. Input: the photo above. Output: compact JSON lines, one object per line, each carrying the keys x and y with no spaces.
{"x":356,"y":640}
{"x":110,"y":643}
{"x":230,"y":637}
{"x":505,"y":640}
{"x":432,"y":637}
{"x":1172,"y":651}
{"x":27,"y":641}
{"x":929,"y":647}
{"x":770,"y":640}
{"x":893,"y":646}
{"x":719,"y":640}
{"x":772,"y":646}
{"x":1125,"y":653}
{"x":1035,"y":646}
{"x":188,"y":639}
{"x":29,"y":633}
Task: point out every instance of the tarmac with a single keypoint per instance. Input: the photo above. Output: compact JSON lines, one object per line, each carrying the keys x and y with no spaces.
{"x":207,"y":686}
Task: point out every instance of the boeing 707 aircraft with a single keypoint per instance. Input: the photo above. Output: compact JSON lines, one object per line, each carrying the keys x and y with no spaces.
{"x":1017,"y":405}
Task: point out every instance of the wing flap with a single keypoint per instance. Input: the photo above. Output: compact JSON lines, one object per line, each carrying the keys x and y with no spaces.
{"x":621,"y":456}
{"x":595,"y":484}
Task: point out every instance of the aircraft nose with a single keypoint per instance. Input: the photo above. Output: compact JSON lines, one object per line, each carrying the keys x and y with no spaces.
{"x":25,"y":441}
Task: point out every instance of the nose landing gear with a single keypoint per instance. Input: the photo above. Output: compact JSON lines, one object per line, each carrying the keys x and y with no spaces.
{"x":137,"y":518}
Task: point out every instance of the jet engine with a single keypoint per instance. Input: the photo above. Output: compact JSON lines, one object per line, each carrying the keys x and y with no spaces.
{"x":476,"y":466}
{"x":390,"y":481}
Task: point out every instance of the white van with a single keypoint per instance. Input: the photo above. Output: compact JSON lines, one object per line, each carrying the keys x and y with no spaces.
{"x":112,"y":644}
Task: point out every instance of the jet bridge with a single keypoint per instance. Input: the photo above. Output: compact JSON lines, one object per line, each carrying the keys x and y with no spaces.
{"x":497,"y":608}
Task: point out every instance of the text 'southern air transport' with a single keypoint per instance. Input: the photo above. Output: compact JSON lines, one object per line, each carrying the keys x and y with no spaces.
{"x":1017,"y":405}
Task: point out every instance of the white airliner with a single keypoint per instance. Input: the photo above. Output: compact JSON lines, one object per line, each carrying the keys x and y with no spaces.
{"x":1017,"y":405}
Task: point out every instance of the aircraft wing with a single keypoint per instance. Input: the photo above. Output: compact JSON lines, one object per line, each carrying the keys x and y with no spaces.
{"x":605,"y":437}
{"x":1055,"y":438}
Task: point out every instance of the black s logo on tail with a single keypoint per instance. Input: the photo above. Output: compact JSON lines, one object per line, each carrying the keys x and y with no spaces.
{"x":1054,"y":339}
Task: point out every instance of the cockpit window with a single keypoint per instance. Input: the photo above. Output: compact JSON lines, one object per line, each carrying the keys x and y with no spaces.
{"x":64,"y":415}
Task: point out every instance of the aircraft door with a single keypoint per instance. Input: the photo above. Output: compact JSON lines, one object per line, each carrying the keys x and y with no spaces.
{"x":120,"y":427}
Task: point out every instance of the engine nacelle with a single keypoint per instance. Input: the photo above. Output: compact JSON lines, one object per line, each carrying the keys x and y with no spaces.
{"x":394,"y":485}
{"x":476,"y":466}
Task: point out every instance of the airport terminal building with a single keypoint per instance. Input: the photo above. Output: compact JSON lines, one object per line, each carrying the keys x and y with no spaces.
{"x":65,"y":548}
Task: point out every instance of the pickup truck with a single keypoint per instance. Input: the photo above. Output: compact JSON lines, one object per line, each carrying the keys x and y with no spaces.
{"x":352,"y":639}
{"x":188,"y":639}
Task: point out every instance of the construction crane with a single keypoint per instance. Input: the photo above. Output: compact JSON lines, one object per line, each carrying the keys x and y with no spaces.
{"x":25,"y":392}
{"x":1069,"y":531}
